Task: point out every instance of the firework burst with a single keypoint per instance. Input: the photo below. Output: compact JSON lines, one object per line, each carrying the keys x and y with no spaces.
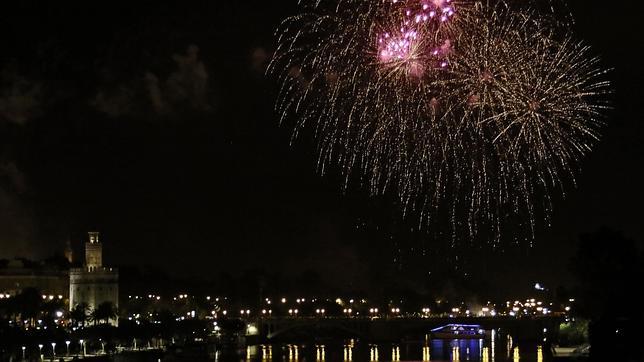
{"x":472,"y":110}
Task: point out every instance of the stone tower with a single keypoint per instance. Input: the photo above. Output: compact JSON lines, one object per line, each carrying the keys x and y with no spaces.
{"x":93,"y":251}
{"x":93,"y":284}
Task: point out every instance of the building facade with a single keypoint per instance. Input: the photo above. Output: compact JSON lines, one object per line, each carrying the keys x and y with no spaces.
{"x":93,"y":284}
{"x":49,"y":280}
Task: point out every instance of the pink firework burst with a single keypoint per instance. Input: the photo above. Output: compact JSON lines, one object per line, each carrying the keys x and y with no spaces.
{"x":411,"y":44}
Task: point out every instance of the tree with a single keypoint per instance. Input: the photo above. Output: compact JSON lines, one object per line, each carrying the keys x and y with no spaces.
{"x":79,"y":314}
{"x":28,"y":304}
{"x":104,"y":312}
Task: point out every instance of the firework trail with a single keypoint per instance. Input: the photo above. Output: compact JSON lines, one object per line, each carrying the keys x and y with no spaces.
{"x":478,"y":111}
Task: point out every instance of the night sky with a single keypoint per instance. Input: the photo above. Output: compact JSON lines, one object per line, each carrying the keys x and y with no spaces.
{"x":154,"y":124}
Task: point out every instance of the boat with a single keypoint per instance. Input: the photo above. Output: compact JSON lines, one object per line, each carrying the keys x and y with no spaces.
{"x":561,"y":353}
{"x":459,"y":331}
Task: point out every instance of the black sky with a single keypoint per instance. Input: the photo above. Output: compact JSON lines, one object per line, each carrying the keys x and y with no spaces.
{"x":153,"y":123}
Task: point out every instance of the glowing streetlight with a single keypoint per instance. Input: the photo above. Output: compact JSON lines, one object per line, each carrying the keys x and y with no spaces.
{"x":82,"y":342}
{"x":23,"y":352}
{"x":538,"y":286}
{"x":67,"y":344}
{"x":53,"y":349}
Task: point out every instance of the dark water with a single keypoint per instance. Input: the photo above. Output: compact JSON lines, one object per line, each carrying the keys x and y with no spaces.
{"x":424,"y":350}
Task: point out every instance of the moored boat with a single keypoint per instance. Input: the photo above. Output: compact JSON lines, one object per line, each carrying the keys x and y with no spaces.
{"x":459,"y":331}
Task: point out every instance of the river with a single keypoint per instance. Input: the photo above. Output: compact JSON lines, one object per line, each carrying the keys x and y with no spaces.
{"x":423,"y":350}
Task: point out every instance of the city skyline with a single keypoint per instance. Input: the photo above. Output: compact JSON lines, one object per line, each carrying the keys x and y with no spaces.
{"x":206,"y":173}
{"x":328,"y":180}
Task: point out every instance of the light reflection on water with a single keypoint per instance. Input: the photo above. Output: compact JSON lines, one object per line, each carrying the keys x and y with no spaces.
{"x":320,"y":353}
{"x":434,"y":350}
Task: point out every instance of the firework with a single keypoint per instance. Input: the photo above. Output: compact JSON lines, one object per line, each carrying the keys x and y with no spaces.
{"x":534,"y":102}
{"x":474,"y":111}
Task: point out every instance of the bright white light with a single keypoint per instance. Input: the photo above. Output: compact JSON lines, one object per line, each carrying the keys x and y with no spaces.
{"x":538,"y":286}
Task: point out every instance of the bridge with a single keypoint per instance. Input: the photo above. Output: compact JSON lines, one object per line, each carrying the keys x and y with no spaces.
{"x":390,"y":329}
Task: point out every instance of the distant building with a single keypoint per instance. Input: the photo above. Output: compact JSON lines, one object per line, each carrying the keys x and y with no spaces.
{"x":20,"y":274}
{"x":93,"y":284}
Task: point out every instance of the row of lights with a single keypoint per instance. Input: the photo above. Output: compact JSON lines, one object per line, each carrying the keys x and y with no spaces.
{"x":44,"y":297}
{"x":484,"y":311}
{"x":53,"y":348}
{"x":179,"y":297}
{"x":51,"y":297}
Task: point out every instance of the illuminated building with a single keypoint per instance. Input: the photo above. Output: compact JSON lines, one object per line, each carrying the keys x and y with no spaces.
{"x":19,"y":274}
{"x":93,"y":284}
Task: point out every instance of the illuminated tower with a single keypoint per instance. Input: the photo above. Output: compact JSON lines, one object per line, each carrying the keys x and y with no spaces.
{"x":93,"y":252}
{"x":94,"y":284}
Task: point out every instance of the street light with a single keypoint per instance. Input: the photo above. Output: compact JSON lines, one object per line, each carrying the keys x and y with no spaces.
{"x":40,"y":351}
{"x":67,"y":343}
{"x":53,"y":349}
{"x":23,"y":352}
{"x":82,"y":342}
{"x":539,"y":286}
